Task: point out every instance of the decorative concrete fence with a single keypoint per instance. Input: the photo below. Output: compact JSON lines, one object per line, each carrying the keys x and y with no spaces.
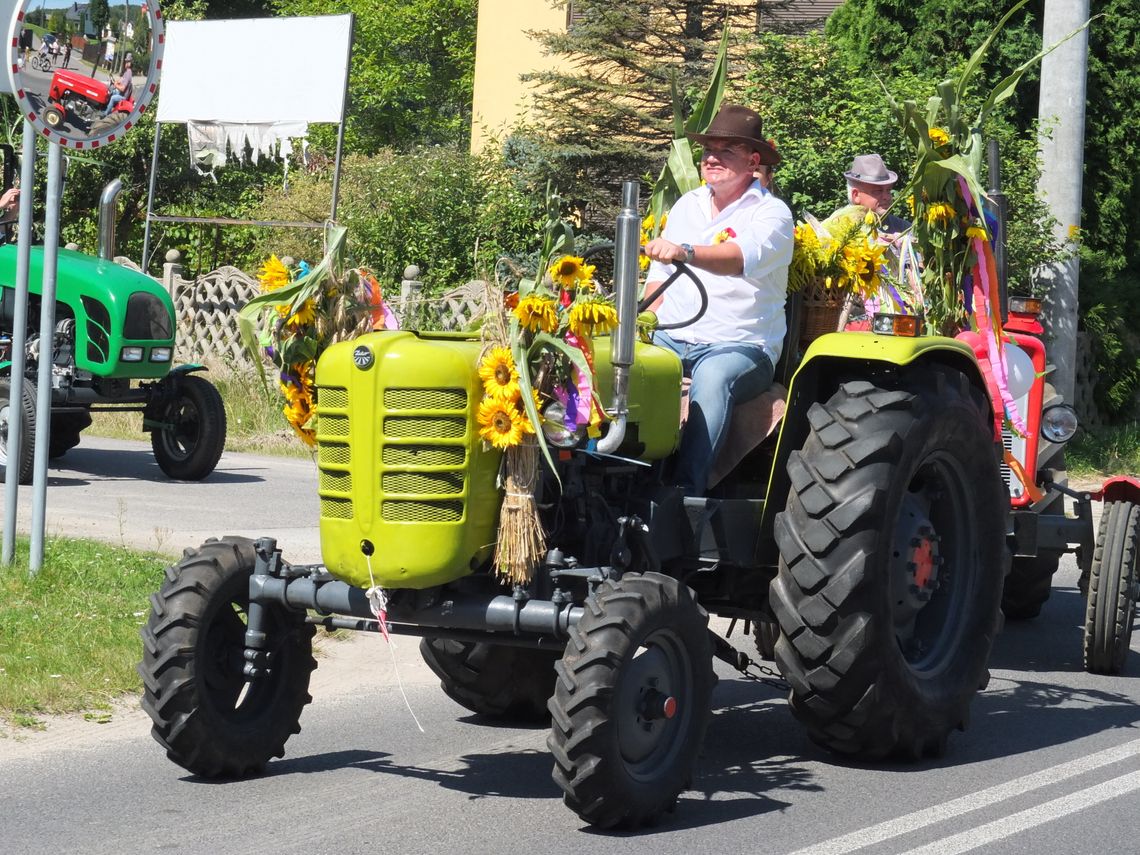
{"x":207,"y":309}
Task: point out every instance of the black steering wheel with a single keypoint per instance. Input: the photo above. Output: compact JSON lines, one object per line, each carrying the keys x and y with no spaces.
{"x":606,"y":288}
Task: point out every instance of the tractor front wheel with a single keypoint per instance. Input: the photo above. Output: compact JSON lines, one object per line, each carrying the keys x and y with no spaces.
{"x":495,"y":680}
{"x":892,"y":556}
{"x":25,"y":412}
{"x":210,"y":718}
{"x":65,"y":430}
{"x":631,"y":700}
{"x":1113,"y":585}
{"x":188,"y":429}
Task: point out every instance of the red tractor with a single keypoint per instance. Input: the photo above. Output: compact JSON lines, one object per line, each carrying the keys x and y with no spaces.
{"x":84,"y":98}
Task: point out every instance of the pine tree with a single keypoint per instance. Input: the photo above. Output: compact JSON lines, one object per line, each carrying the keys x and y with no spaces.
{"x":610,"y":116}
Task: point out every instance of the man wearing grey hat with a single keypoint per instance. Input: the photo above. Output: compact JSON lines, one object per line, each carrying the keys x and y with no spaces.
{"x":738,"y":237}
{"x":869,"y":186}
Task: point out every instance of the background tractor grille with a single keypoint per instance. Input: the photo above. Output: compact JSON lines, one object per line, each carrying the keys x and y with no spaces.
{"x":335,"y":482}
{"x":333,"y":453}
{"x":333,"y":397}
{"x":332,"y":425}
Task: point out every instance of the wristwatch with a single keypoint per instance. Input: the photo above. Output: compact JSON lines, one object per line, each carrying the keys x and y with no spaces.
{"x":690,"y":253}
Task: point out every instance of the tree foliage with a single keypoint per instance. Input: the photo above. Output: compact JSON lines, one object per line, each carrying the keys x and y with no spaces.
{"x":411,"y":72}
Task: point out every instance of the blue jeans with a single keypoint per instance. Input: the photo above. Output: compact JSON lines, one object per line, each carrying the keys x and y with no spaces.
{"x":116,"y":97}
{"x":723,"y":375}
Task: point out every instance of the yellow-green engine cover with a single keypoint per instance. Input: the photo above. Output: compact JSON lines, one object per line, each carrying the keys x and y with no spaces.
{"x":654,"y":395}
{"x":400,"y":460}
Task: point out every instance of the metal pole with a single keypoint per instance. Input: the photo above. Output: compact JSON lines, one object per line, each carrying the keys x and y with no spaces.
{"x":19,"y":341}
{"x":47,"y":336}
{"x":150,"y":195}
{"x":1062,"y":157}
{"x":343,"y":112}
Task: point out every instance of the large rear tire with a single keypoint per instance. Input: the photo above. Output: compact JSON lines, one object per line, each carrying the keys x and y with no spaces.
{"x":191,"y":431}
{"x":65,"y":431}
{"x":25,"y":411}
{"x":1113,"y":583}
{"x":631,"y":701}
{"x":512,"y":683}
{"x":892,"y":556}
{"x":208,"y":716}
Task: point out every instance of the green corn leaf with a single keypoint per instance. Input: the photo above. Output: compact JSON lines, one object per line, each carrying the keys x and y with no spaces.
{"x":979,"y":54}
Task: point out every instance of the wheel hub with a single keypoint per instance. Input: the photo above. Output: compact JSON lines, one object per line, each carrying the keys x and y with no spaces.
{"x":916,"y":570}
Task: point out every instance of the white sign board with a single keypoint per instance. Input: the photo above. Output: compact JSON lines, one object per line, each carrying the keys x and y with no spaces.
{"x":255,"y":70}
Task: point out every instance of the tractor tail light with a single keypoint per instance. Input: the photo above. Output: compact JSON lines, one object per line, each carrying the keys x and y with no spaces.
{"x":904,"y":325}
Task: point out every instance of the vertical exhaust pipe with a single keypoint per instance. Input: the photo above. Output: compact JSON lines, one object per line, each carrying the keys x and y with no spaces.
{"x":107,"y":215}
{"x":626,"y":247}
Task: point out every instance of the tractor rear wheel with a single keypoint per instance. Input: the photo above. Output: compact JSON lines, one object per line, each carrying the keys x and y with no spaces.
{"x":25,"y":411}
{"x":191,"y":429}
{"x":65,"y":431}
{"x":631,"y":701}
{"x":210,"y":718}
{"x":494,"y":680}
{"x":1113,"y":585}
{"x":892,"y":556}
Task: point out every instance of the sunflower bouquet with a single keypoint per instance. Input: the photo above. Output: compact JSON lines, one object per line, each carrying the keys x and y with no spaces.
{"x":537,"y":368}
{"x":301,"y":310}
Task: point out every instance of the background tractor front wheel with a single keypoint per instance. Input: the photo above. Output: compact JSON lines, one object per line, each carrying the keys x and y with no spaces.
{"x":208,"y":716}
{"x":631,"y":701}
{"x":191,"y":430}
{"x":493,"y":679}
{"x":25,"y":411}
{"x":892,"y":556}
{"x":1113,"y":582}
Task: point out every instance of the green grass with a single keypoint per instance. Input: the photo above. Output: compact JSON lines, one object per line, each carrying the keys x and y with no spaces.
{"x":254,"y":421}
{"x":1112,"y":451}
{"x":69,"y":637}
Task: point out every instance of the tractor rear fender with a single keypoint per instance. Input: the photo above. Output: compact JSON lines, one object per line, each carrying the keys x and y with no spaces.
{"x":838,"y":358}
{"x":1119,"y":488}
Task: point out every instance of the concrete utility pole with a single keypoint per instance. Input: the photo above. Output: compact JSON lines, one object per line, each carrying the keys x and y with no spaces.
{"x":1062,"y":106}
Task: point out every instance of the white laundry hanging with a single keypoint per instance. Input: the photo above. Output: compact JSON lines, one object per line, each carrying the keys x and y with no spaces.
{"x":212,"y":142}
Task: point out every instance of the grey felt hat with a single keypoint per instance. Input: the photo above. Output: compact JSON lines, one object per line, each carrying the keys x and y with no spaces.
{"x":870,"y":169}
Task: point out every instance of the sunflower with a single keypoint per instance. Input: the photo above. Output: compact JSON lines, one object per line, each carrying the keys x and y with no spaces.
{"x":273,"y":274}
{"x":940,"y":213}
{"x":517,"y":402}
{"x":570,"y":271}
{"x":938,"y":136}
{"x":537,"y":313}
{"x":592,"y":317}
{"x":305,"y":314}
{"x":977,"y":232}
{"x":500,"y":423}
{"x":498,"y":372}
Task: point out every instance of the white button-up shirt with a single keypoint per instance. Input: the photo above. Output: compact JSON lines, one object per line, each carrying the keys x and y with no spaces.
{"x":745,"y":308}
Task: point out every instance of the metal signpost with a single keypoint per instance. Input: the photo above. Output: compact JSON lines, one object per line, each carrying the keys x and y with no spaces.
{"x":62,"y":122}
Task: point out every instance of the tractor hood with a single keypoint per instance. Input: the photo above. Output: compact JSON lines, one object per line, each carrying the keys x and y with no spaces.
{"x":112,"y":306}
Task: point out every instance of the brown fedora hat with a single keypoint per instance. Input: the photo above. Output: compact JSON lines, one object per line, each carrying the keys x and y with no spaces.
{"x":737,"y":124}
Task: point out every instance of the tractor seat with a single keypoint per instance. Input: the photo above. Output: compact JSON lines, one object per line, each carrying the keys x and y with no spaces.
{"x":752,"y":423}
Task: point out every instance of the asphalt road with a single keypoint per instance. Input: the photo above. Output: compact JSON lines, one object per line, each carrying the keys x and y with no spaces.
{"x":1050,"y":763}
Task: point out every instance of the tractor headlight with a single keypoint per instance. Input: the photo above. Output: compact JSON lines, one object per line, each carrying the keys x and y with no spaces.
{"x":885,"y":324}
{"x":160,"y":354}
{"x":554,"y":426}
{"x":1059,"y":423}
{"x":131,"y":354}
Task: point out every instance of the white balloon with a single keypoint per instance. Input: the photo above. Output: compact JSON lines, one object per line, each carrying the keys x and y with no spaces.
{"x":1021,"y":372}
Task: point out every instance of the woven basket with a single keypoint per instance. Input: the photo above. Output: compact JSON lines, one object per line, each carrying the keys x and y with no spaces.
{"x":822,"y":308}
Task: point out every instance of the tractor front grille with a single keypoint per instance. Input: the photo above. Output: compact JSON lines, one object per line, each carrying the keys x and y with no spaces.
{"x":147,"y":318}
{"x":421,"y":465}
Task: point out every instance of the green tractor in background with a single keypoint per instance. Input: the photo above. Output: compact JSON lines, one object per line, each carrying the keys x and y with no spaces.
{"x":865,"y":539}
{"x":112,"y":350}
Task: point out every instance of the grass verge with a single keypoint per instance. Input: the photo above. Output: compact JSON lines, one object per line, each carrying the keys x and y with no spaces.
{"x":1110,"y":451}
{"x":69,"y":637}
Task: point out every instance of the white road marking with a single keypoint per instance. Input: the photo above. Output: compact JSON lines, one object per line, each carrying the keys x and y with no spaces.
{"x":973,"y":801}
{"x":967,"y":841}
